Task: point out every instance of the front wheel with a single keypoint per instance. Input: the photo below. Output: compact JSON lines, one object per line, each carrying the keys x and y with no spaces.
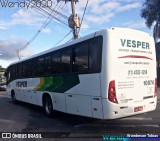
{"x":48,"y":106}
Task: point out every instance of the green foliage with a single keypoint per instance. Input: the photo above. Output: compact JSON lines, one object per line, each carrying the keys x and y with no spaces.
{"x":151,"y":11}
{"x":2,"y":69}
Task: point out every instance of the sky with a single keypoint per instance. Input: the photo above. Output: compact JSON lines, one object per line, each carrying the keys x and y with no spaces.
{"x":21,"y":20}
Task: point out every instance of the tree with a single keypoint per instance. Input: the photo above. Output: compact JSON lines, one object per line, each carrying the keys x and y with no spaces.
{"x":151,"y":12}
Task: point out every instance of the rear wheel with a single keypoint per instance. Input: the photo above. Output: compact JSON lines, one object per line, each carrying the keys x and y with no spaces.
{"x":13,"y":97}
{"x":48,"y":106}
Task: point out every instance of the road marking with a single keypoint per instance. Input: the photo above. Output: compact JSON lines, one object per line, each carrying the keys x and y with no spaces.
{"x":101,"y":125}
{"x":136,"y":118}
{"x":5,"y":120}
{"x":3,"y":95}
{"x":147,"y":125}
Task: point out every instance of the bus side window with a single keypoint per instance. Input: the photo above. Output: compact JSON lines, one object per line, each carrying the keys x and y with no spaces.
{"x":95,"y":55}
{"x":8,"y":76}
{"x":17,"y":70}
{"x":11,"y":73}
{"x":80,"y":58}
{"x":37,"y":67}
{"x":47,"y":69}
{"x":66,"y":61}
{"x":24,"y":70}
{"x":20,"y":70}
{"x":28,"y":69}
{"x":40,"y":66}
{"x":56,"y":63}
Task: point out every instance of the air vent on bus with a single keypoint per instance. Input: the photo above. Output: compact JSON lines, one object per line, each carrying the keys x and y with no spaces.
{"x":112,"y":92}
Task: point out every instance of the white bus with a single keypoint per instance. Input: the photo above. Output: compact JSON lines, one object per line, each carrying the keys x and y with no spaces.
{"x":106,"y":75}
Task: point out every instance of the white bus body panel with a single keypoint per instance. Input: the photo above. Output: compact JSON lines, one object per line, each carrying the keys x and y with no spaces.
{"x":79,"y":105}
{"x":79,"y":98}
{"x":90,"y":96}
{"x":97,"y":108}
{"x":59,"y":102}
{"x":133,"y":68}
{"x":89,"y":85}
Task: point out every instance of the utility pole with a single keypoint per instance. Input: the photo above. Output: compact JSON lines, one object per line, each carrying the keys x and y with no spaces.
{"x":74,"y":20}
{"x":18,"y":55}
{"x":75,"y":34}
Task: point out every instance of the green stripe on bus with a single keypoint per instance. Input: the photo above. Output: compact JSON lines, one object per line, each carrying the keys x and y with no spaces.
{"x":59,"y":84}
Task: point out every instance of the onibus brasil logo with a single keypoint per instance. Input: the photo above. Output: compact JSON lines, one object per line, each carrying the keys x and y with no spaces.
{"x":25,"y":3}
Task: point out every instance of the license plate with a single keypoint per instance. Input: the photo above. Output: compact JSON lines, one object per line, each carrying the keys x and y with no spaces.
{"x":139,"y":108}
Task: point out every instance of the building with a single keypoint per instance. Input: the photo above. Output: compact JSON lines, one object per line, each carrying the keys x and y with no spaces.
{"x":2,"y":77}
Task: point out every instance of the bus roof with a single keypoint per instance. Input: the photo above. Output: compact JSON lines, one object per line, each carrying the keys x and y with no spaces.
{"x":60,"y":46}
{"x":73,"y":42}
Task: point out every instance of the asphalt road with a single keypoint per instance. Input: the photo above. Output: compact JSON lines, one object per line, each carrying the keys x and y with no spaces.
{"x":24,"y":117}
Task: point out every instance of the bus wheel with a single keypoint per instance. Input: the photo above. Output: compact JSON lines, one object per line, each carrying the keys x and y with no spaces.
{"x":13,"y":97}
{"x":48,"y":106}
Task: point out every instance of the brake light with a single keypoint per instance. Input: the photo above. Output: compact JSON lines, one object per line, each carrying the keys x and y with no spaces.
{"x":112,"y":92}
{"x":155,"y":88}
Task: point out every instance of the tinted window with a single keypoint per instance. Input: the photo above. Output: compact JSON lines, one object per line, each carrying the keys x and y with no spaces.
{"x":24,"y":69}
{"x":56,"y":63}
{"x":65,"y":60}
{"x":32,"y":67}
{"x":84,"y":57}
{"x":20,"y":70}
{"x":29,"y":69}
{"x":12,"y":72}
{"x":47,"y":68}
{"x":94,"y":55}
{"x":17,"y":70}
{"x":40,"y":66}
{"x":80,"y":58}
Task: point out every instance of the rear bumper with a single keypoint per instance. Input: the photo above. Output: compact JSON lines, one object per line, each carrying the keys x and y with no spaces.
{"x":114,"y":111}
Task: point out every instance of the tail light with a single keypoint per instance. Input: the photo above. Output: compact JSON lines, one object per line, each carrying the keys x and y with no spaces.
{"x":112,"y":92}
{"x":155,"y":88}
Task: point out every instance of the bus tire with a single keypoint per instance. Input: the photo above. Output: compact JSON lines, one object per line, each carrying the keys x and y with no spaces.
{"x":13,"y":97}
{"x":48,"y":106}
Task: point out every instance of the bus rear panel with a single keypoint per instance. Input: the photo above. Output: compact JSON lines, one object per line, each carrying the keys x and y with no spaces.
{"x":129,"y":80}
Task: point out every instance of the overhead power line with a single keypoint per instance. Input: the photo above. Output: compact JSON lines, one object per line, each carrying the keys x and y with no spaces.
{"x":47,"y":21}
{"x":48,"y":10}
{"x":39,"y":30}
{"x":83,"y":15}
{"x":62,"y":39}
{"x":47,"y":13}
{"x":51,"y":9}
{"x":59,"y":23}
{"x":73,"y":20}
{"x":59,"y":8}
